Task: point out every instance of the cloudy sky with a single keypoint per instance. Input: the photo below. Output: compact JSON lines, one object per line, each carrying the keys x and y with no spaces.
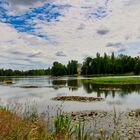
{"x":34,"y":33}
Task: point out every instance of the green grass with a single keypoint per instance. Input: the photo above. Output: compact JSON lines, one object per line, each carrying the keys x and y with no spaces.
{"x":115,"y":81}
{"x":105,"y":75}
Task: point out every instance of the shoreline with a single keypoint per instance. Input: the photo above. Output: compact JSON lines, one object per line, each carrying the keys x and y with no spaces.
{"x":126,"y":124}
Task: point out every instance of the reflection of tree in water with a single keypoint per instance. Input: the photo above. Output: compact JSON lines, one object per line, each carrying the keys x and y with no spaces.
{"x":73,"y":88}
{"x":98,"y":94}
{"x":105,"y":90}
{"x":59,"y":82}
{"x":88,"y":87}
{"x":127,"y":89}
{"x":49,"y":81}
{"x":113,"y":94}
{"x":106,"y":94}
{"x":122,"y":90}
{"x":73,"y":84}
{"x":6,"y":78}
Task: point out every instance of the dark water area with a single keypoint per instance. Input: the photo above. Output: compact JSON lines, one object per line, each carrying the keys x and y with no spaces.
{"x":39,"y":91}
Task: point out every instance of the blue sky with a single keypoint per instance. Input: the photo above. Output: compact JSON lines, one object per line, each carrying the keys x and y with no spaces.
{"x":37,"y":32}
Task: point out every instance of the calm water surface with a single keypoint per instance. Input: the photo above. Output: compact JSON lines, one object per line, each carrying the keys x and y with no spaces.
{"x":120,"y":97}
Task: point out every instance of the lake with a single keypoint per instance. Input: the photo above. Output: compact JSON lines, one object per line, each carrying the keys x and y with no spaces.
{"x":38,"y":92}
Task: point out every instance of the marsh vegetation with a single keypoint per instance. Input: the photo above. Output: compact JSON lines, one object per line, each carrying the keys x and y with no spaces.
{"x":68,"y":126}
{"x":83,"y":116}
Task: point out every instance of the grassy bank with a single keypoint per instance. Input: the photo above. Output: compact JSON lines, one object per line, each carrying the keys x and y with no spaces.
{"x":115,"y":81}
{"x":105,"y":75}
{"x":14,"y":127}
{"x":34,"y":127}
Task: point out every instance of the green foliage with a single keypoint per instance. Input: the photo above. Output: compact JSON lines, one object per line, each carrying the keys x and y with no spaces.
{"x":105,"y":64}
{"x":58,"y":69}
{"x":111,"y":64}
{"x":80,"y":131}
{"x":113,"y":81}
{"x":72,"y":67}
{"x":63,"y":126}
{"x":38,"y":72}
{"x":137,"y":67}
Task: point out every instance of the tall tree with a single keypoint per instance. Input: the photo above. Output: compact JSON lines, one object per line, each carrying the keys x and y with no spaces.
{"x":72,"y":67}
{"x":58,"y":69}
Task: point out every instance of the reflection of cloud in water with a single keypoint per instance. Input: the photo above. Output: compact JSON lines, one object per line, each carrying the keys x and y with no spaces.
{"x":35,"y":95}
{"x":24,"y":99}
{"x":116,"y":102}
{"x":30,"y":96}
{"x":24,"y":104}
{"x":121,"y":96}
{"x":61,"y":94}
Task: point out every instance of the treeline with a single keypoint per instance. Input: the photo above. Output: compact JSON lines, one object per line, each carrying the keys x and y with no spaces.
{"x":98,"y":65}
{"x":57,"y":69}
{"x":111,"y":64}
{"x":10,"y":72}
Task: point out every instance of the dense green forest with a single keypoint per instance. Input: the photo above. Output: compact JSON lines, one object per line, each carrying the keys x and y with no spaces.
{"x":97,"y":65}
{"x":111,"y":64}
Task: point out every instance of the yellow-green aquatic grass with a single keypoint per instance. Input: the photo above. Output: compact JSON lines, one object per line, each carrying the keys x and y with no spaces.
{"x":113,"y":81}
{"x":8,"y":82}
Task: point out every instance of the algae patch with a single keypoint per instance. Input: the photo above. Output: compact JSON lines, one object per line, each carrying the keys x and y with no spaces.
{"x":77,"y":98}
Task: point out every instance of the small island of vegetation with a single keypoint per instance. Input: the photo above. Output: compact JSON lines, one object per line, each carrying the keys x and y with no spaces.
{"x":116,"y":81}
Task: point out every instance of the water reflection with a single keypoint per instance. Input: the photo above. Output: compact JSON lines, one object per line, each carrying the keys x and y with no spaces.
{"x":122,"y":96}
{"x":111,"y":89}
{"x":59,"y":83}
{"x":77,"y":85}
{"x":74,"y":85}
